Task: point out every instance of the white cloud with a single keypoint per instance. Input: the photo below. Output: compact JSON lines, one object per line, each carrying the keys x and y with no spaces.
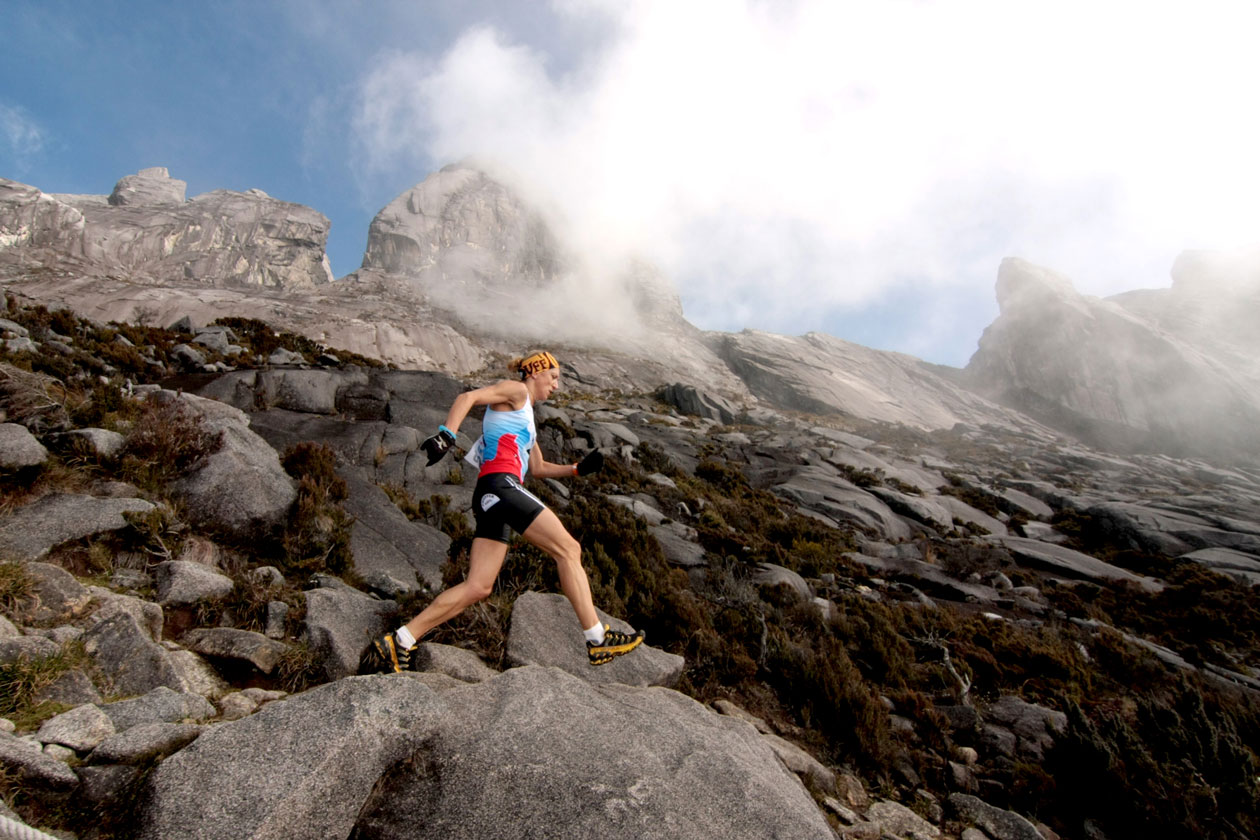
{"x":781,"y":160}
{"x":23,"y":138}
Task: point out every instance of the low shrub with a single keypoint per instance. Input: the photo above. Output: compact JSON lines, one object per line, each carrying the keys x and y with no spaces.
{"x":15,"y":587}
{"x":36,"y":400}
{"x":435,"y":511}
{"x":984,"y":502}
{"x":164,"y":443}
{"x":263,"y":339}
{"x":300,"y":668}
{"x":245,"y":607}
{"x":317,"y":534}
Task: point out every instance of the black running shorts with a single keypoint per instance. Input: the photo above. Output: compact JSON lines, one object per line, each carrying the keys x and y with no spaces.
{"x":501,"y":506}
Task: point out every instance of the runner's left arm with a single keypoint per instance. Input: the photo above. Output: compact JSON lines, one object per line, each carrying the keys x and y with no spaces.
{"x":541,"y":468}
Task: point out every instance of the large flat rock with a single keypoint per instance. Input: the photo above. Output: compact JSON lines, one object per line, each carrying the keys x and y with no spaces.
{"x":572,"y":761}
{"x":1066,"y":561}
{"x":32,"y":531}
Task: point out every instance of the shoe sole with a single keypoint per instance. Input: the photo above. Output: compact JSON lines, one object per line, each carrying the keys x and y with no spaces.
{"x":383,"y":661}
{"x":603,"y":655}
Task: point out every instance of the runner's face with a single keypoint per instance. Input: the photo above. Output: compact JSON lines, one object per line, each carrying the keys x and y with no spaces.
{"x":551,"y":378}
{"x":546,"y":383}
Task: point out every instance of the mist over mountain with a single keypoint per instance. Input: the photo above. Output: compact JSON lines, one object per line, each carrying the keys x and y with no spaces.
{"x":1172,"y":370}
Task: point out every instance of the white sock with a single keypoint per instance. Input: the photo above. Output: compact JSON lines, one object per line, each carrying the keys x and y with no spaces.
{"x":404,"y":637}
{"x":594,"y":633}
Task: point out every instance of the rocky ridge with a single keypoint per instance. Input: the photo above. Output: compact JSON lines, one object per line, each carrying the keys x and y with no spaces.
{"x":447,"y":261}
{"x":439,"y":289}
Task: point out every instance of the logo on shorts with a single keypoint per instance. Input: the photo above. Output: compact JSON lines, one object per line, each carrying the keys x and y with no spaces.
{"x":488,"y":501}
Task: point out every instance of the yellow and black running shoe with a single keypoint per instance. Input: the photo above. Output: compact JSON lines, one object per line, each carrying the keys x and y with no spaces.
{"x":385,"y":656}
{"x":615,"y":644}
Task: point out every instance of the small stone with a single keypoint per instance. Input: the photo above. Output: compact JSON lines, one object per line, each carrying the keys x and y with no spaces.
{"x":27,"y":759}
{"x":197,"y":675}
{"x":729,"y":709}
{"x":228,"y":643}
{"x":81,"y":728}
{"x":102,"y":785}
{"x":19,"y":448}
{"x":61,"y":635}
{"x":277,"y":614}
{"x":73,"y":688}
{"x":184,"y":582}
{"x":895,"y":818}
{"x":161,"y":705}
{"x":145,"y":742}
{"x":264,"y":695}
{"x":850,"y":791}
{"x":130,"y":579}
{"x":236,"y":705}
{"x":267,"y":576}
{"x":843,"y":813}
{"x":58,"y":752}
{"x":26,"y":648}
{"x":103,"y":442}
{"x":967,"y":755}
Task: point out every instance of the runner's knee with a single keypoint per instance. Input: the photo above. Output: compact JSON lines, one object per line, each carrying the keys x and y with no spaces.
{"x":477,"y":590}
{"x":568,"y":552}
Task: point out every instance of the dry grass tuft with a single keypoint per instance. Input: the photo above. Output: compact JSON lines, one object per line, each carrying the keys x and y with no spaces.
{"x":35,"y":400}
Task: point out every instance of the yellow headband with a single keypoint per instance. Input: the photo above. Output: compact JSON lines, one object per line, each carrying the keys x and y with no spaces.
{"x":537,"y":362}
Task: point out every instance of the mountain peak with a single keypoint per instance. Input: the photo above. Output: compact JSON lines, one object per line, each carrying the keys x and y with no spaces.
{"x":1021,"y":283}
{"x":469,"y":243}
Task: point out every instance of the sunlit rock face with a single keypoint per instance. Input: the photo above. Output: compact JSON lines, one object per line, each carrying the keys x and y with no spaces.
{"x":826,"y":375}
{"x":146,"y":231}
{"x":1170,"y":369}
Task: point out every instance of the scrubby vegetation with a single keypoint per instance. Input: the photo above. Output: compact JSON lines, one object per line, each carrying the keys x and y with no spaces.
{"x":263,"y":340}
{"x":1204,"y":616}
{"x":143,"y":353}
{"x":22,"y":680}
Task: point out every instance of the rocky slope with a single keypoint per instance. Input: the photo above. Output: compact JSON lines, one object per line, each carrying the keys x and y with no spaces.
{"x":147,"y":230}
{"x":167,"y":694}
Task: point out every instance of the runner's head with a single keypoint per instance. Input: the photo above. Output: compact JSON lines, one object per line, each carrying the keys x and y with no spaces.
{"x":540,"y":371}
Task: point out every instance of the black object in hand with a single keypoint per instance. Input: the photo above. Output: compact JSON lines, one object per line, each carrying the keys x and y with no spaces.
{"x":438,"y":445}
{"x":592,"y":463}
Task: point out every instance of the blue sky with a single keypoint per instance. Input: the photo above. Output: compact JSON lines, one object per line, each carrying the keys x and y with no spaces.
{"x":853,"y":168}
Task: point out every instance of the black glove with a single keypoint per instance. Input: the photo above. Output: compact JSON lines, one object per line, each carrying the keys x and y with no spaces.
{"x":592,"y":463}
{"x":438,"y":445}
